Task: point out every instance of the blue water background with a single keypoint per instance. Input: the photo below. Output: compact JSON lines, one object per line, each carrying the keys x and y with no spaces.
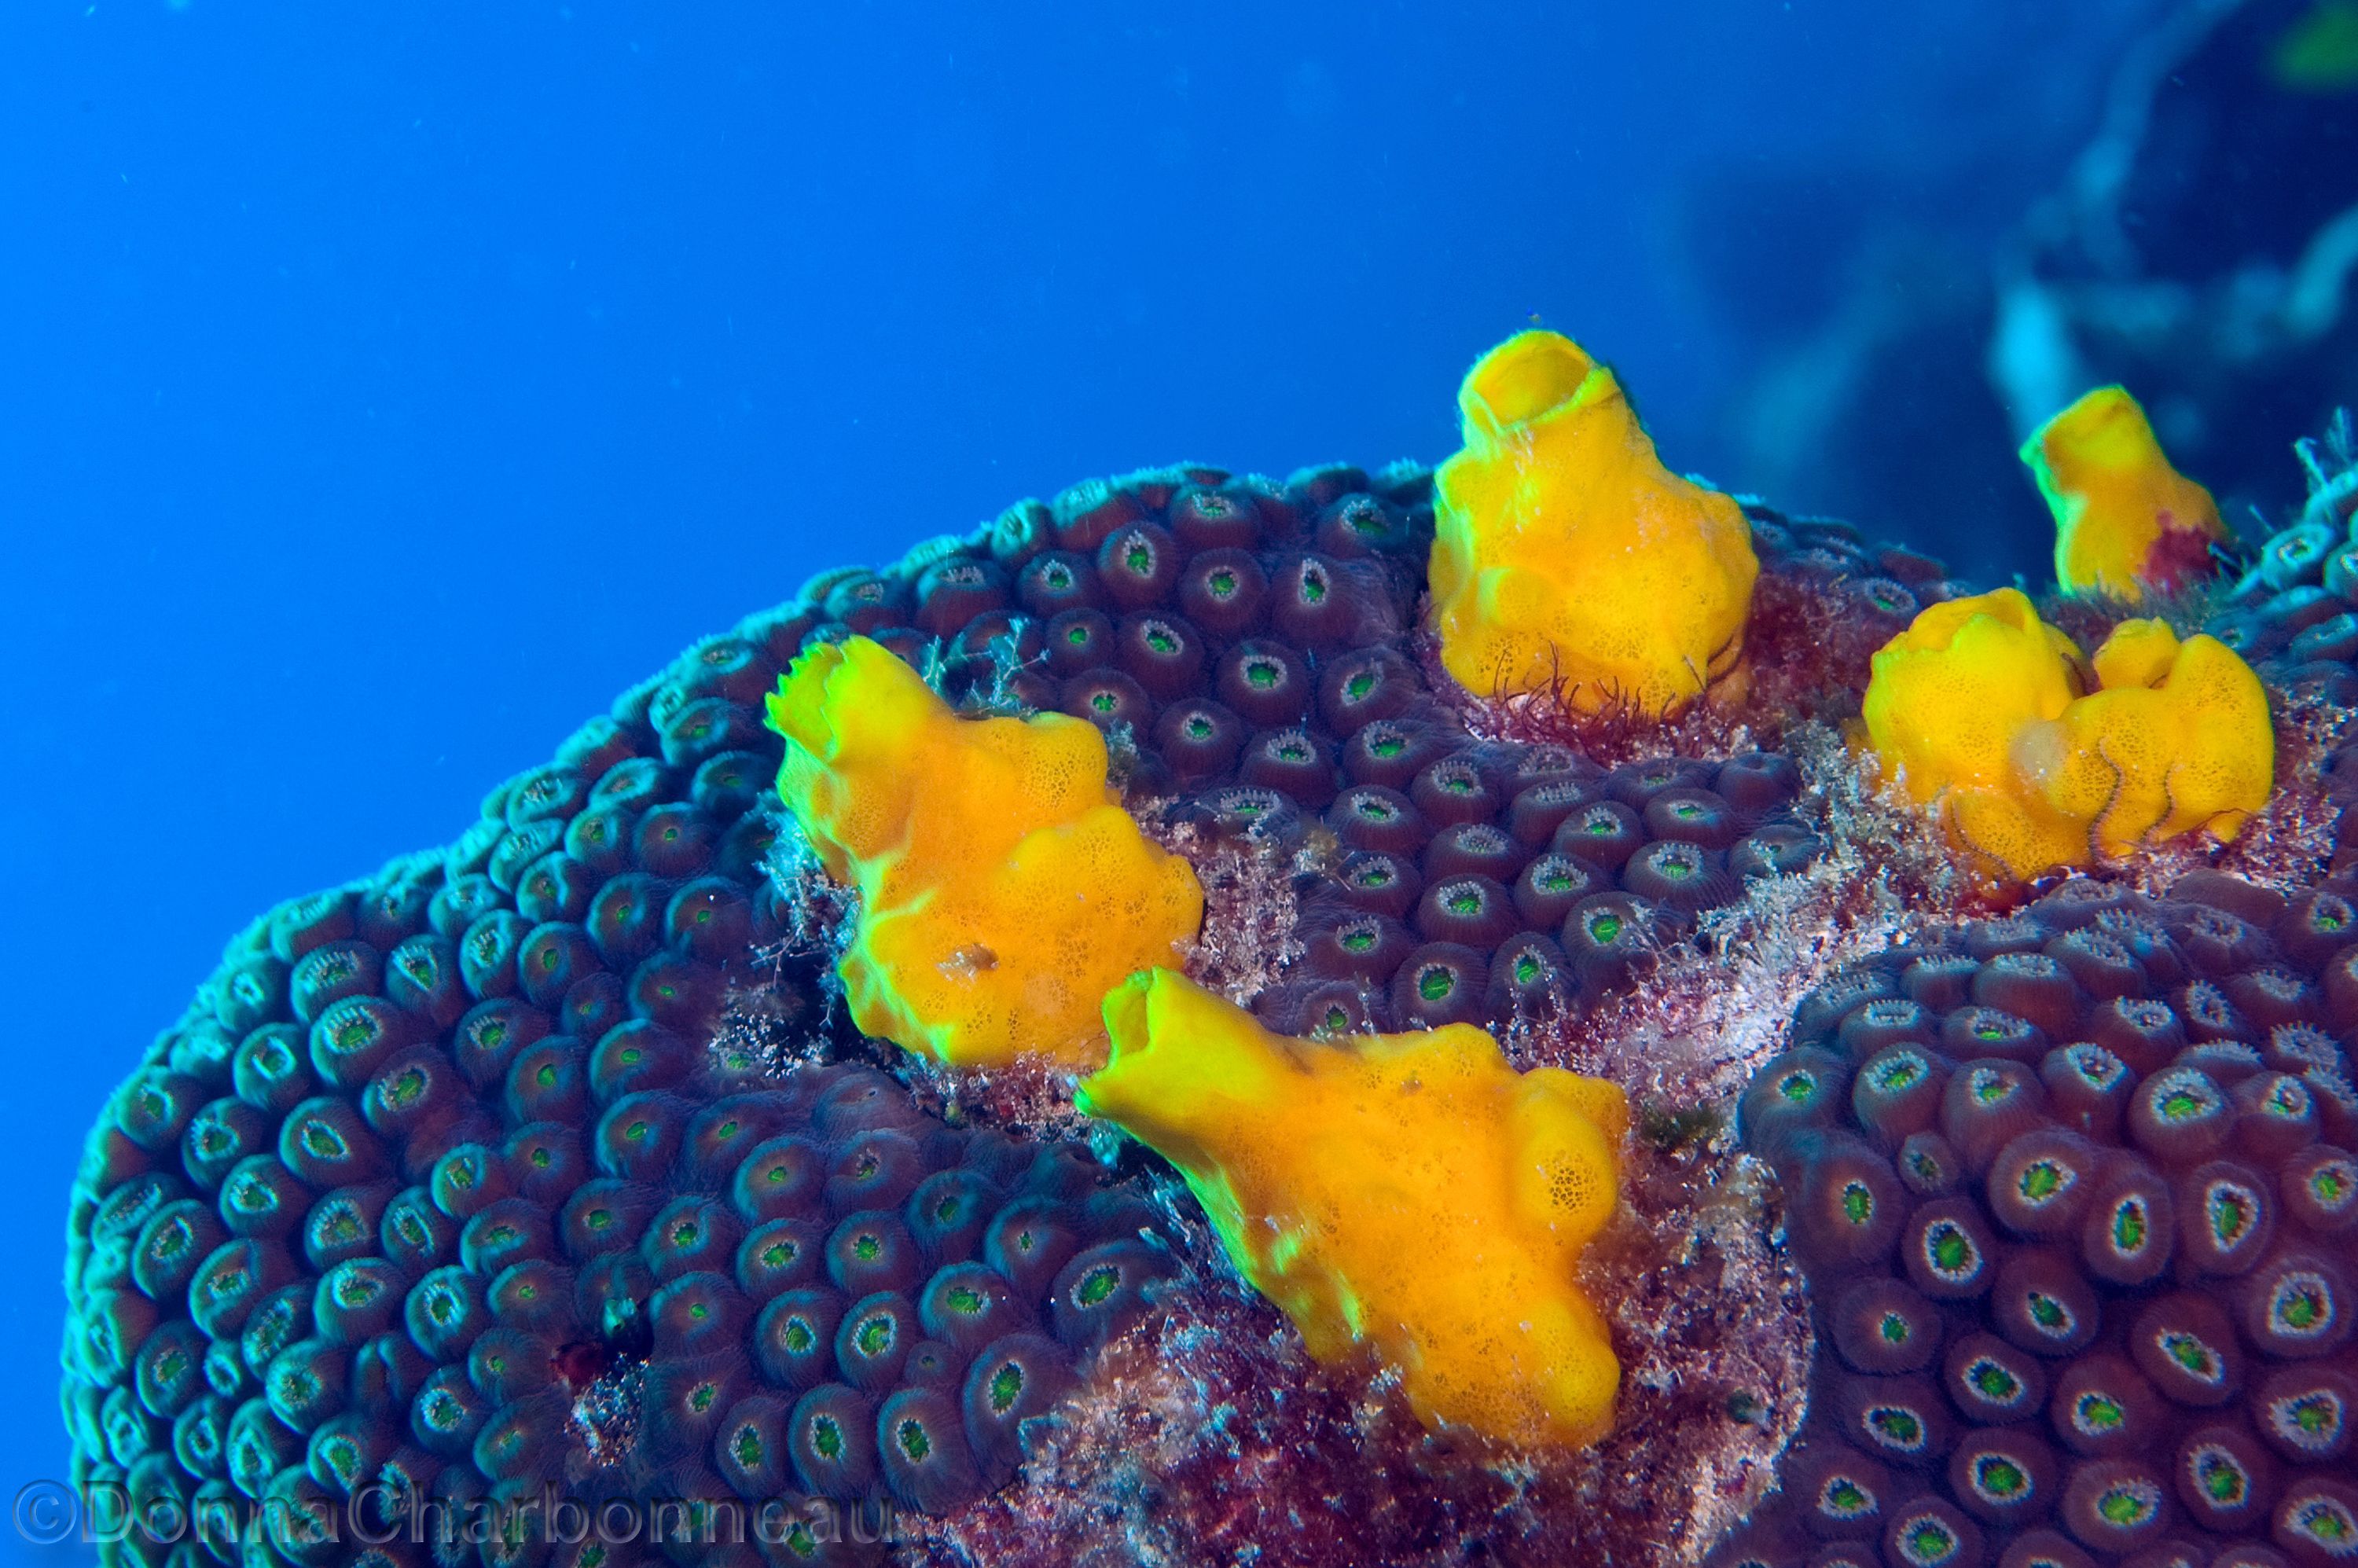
{"x":383,"y":387}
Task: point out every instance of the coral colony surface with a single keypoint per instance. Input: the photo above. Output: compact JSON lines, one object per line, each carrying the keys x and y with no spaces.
{"x":1533,"y":1013}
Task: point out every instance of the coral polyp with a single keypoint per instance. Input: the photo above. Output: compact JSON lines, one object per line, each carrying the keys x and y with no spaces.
{"x":1646,"y":1029}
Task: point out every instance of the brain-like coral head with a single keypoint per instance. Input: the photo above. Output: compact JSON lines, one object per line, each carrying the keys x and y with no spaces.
{"x":2126,"y":521}
{"x":1567,"y":557}
{"x":1003,"y":890}
{"x":1410,"y":1193}
{"x":2035,"y":759}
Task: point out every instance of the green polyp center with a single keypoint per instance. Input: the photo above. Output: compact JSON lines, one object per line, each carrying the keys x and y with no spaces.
{"x":778,"y":1254}
{"x":463,"y":1175}
{"x":2330,"y":1184}
{"x":960,"y":1299}
{"x":1930,"y":1542}
{"x":798,"y":1336}
{"x":683,"y":1235}
{"x":2129,"y":1226}
{"x":2047,"y":1311}
{"x":636,"y":1132}
{"x":874,"y":1336}
{"x":1996,"y":1477}
{"x":1847,"y":1498}
{"x":910,"y":1436}
{"x":601,"y":1218}
{"x":1161,"y":641}
{"x":2326,"y":1523}
{"x":699,"y":1399}
{"x":2191,"y":1353}
{"x":1605,"y":929}
{"x":1374,"y":809}
{"x":2043,"y":1180}
{"x":866,"y":1247}
{"x":1903,"y":1073}
{"x":1139,"y":558}
{"x":2312,"y":1414}
{"x":491,"y":1034}
{"x":1375,"y":876}
{"x":1994,"y":1382}
{"x":1223,"y":584}
{"x":1097,"y":1285}
{"x":1527,"y":969}
{"x":2300,"y":1307}
{"x":353,"y":1033}
{"x":1261,"y":675}
{"x":2231,"y":1213}
{"x":1006,"y":1387}
{"x":1676,"y":864}
{"x":1104,"y":701}
{"x":1990,"y":1088}
{"x":947,"y":1211}
{"x":1857,"y":1203}
{"x":827,"y":1438}
{"x":1077,"y":636}
{"x":1555,"y":882}
{"x":1336,"y":1022}
{"x":1894,"y":1328}
{"x":1952,"y":1250}
{"x":1388,"y":746}
{"x":2182,"y":1106}
{"x":700,"y":1311}
{"x":2098,"y":1413}
{"x":1358,"y":941}
{"x":1198,"y":727}
{"x":1434,"y":983}
{"x":319,"y":1139}
{"x":1291,"y":751}
{"x":1989,"y":1028}
{"x":2124,"y":1505}
{"x":2223,"y":1480}
{"x":1899,"y":1426}
{"x":1799,"y":1088}
{"x":1358,"y":685}
{"x":1467,"y":900}
{"x":1314,"y":588}
{"x":748,"y":1447}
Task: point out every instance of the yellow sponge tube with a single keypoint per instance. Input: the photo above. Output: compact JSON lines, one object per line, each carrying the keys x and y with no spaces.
{"x":1003,"y":890}
{"x":1411,"y":1194}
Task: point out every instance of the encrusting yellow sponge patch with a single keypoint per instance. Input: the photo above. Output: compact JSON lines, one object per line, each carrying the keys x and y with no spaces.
{"x":2126,"y":521}
{"x":1567,"y":557}
{"x":1408,"y":1193}
{"x":2035,"y":759}
{"x":1003,"y":890}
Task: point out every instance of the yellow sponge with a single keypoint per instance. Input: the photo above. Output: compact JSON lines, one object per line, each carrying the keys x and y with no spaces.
{"x":1410,"y":1192}
{"x":1567,"y":557}
{"x":2126,"y":521}
{"x":1003,"y":890}
{"x":1984,"y":712}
